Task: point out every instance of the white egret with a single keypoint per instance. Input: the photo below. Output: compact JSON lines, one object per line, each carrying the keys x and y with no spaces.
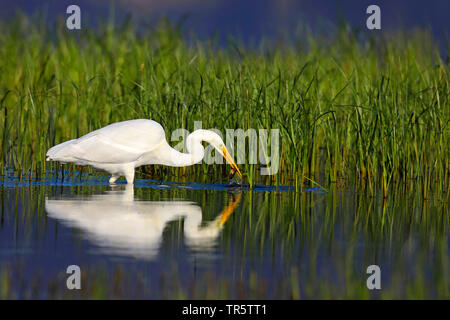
{"x":122,"y":146}
{"x":122,"y":226}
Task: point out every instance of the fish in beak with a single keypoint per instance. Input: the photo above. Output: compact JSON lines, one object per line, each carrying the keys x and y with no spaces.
{"x":230,"y":160}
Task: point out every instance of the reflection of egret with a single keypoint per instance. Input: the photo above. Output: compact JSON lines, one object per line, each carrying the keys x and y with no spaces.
{"x":123,"y":146}
{"x":121,"y":225}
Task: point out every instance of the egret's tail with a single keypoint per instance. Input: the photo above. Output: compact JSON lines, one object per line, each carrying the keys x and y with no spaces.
{"x":57,"y":153}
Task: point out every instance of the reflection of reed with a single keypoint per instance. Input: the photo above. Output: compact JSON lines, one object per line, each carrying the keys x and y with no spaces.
{"x":317,"y":244}
{"x":123,"y":226}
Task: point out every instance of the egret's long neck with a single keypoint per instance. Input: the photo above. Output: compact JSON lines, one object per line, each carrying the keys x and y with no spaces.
{"x":194,"y":147}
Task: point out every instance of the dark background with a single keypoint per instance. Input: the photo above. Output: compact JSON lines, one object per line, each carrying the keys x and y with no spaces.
{"x":251,"y":20}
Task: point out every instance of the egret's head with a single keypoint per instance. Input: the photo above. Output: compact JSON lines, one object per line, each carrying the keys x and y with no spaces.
{"x":216,"y":141}
{"x":229,"y":159}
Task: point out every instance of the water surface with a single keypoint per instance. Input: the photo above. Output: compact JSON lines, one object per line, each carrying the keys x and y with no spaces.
{"x":160,"y":239}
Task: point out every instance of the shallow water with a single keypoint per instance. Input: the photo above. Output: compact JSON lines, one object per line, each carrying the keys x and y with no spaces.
{"x":160,"y":239}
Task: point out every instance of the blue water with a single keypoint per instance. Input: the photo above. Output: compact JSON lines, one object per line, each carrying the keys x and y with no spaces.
{"x":192,"y":240}
{"x":77,"y":179}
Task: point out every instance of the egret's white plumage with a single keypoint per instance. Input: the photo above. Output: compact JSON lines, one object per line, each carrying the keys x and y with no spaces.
{"x":120,"y":225}
{"x":122,"y":146}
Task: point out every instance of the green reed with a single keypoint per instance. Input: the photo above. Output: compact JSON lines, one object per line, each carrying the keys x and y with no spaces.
{"x":372,"y":111}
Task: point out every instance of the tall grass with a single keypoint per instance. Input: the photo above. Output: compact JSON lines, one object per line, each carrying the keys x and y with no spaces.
{"x":372,"y":111}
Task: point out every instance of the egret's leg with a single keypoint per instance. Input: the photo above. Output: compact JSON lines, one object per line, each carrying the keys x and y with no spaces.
{"x":113,"y":179}
{"x":129,"y":175}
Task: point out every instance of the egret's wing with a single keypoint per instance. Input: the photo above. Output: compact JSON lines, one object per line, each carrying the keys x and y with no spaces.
{"x":117,"y":143}
{"x":101,"y":148}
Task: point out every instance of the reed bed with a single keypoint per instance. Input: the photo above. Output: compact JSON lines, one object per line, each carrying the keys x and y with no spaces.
{"x":351,"y":108}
